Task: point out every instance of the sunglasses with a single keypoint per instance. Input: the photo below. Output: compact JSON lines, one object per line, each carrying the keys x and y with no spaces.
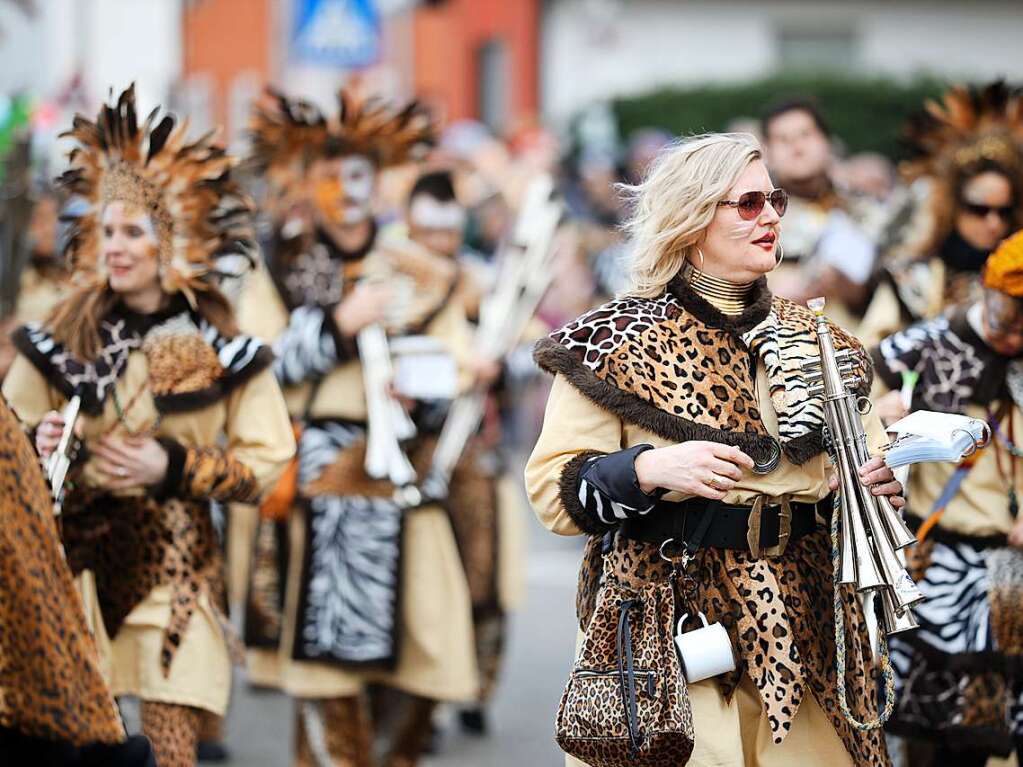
{"x":983,"y":211}
{"x":750,"y":204}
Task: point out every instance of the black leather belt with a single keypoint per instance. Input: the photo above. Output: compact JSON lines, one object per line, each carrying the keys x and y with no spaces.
{"x":762,"y":528}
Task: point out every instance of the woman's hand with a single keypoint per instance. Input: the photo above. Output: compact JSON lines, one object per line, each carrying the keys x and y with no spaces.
{"x":130,"y":461}
{"x":890,"y":407}
{"x":365,"y":305}
{"x":706,"y":469}
{"x":48,"y":433}
{"x":876,"y":475}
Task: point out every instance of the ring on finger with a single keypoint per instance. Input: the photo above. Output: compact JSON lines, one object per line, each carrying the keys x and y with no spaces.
{"x":122,"y":471}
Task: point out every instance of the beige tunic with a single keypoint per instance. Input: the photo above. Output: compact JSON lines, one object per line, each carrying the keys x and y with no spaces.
{"x":254,"y":421}
{"x":437,"y":653}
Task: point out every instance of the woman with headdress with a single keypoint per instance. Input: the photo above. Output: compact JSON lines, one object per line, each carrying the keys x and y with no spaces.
{"x":680,"y":416}
{"x":178,"y":410}
{"x":374,"y":591}
{"x":969,"y":154}
{"x":958,"y":674}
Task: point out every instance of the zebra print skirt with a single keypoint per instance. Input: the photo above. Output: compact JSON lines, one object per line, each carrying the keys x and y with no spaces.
{"x":349,"y":591}
{"x":958,"y":675}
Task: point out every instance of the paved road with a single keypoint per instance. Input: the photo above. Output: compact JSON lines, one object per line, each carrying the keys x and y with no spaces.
{"x":541,"y":643}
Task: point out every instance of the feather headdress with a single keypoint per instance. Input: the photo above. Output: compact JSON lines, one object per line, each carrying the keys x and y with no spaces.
{"x":288,"y":134}
{"x":971,"y":124}
{"x":199,"y":213}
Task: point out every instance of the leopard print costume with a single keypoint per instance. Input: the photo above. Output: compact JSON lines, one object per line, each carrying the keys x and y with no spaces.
{"x":675,"y":366}
{"x":173,"y":731}
{"x":50,"y":682}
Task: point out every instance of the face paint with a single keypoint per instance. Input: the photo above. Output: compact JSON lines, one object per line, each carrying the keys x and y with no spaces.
{"x":1003,"y":314}
{"x":429,"y":213}
{"x":345,"y":195}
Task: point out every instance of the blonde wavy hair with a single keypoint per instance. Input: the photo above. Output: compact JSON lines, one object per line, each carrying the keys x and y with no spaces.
{"x":675,"y":203}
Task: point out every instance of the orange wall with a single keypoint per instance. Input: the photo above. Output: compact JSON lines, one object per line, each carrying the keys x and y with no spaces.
{"x":225,"y":38}
{"x":447,"y":39}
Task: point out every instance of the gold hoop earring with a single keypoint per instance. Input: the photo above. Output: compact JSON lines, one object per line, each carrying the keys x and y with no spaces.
{"x":780,"y":257}
{"x":699,"y":252}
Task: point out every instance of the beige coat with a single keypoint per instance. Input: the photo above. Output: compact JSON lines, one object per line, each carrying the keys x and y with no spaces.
{"x":437,"y":656}
{"x":254,"y":422}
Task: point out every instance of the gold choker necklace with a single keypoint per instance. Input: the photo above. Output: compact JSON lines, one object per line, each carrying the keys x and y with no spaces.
{"x":725,"y":296}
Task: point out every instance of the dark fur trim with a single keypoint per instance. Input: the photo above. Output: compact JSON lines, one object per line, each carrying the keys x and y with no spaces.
{"x":802,"y":449}
{"x":170,"y":485}
{"x":554,"y":358}
{"x":712,"y":317}
{"x":568,"y":492}
{"x":185,"y":402}
{"x":41,"y":362}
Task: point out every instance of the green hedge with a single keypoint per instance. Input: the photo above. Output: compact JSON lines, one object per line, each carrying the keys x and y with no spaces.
{"x":865,"y":114}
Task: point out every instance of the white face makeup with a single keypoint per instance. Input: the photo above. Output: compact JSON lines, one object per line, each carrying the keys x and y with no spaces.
{"x":343,"y":188}
{"x":429,"y":213}
{"x":358,"y":177}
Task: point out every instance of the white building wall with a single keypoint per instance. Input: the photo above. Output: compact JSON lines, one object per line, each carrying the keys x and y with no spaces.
{"x":595,"y":49}
{"x":111,"y":42}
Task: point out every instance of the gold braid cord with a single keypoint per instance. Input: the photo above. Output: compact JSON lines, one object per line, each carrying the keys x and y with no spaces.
{"x":885,"y":663}
{"x":199,"y":213}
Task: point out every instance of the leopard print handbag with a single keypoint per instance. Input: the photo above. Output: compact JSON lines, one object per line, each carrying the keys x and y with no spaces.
{"x":626,"y":701}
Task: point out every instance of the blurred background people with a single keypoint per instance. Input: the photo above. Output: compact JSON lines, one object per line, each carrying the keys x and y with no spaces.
{"x":969,"y":154}
{"x":826,"y":251}
{"x":958,"y":683}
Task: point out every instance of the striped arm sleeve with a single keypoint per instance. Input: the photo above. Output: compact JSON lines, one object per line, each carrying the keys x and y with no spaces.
{"x":599,"y":490}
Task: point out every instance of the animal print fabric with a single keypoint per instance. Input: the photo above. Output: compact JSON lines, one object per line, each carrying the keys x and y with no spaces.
{"x":51,"y":686}
{"x":173,"y":731}
{"x":654,"y":363}
{"x":957,"y":675}
{"x":214,"y":474}
{"x":949,"y":365}
{"x":593,"y":722}
{"x":134,"y":544}
{"x":779,"y":615}
{"x":784,"y":341}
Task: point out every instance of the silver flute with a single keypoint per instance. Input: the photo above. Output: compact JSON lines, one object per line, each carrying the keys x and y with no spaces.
{"x":872,"y":532}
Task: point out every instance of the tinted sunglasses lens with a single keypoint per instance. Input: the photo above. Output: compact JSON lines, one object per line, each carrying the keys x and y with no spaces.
{"x":750,"y":204}
{"x":983,"y":211}
{"x":779,"y":201}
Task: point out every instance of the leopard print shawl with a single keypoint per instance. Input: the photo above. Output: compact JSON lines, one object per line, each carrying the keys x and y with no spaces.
{"x":676,"y":366}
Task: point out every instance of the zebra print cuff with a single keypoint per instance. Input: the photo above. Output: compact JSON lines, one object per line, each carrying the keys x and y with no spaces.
{"x":599,"y":490}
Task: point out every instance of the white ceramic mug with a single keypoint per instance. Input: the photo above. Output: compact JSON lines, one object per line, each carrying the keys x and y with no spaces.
{"x":705,"y":652}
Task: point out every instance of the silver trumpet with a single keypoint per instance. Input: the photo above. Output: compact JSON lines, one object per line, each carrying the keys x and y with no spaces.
{"x":872,"y":532}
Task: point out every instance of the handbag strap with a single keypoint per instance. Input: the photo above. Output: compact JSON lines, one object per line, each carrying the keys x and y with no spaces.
{"x":627,"y":673}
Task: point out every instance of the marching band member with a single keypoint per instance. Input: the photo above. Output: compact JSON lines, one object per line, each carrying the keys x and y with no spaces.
{"x":374,"y":592}
{"x":968,"y":153}
{"x":684,"y":402}
{"x":178,"y":409}
{"x":957,"y":679}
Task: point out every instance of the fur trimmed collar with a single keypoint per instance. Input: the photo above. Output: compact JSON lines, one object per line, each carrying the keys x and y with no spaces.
{"x":676,"y":366}
{"x":191,"y":365}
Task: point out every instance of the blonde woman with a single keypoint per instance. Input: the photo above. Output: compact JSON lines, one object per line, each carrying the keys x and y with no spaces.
{"x":679,"y":413}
